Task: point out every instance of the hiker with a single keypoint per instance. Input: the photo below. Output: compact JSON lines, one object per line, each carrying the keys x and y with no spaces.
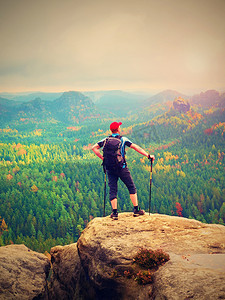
{"x":119,"y":169}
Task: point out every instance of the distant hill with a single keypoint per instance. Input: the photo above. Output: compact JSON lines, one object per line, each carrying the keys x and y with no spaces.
{"x":222,"y":100}
{"x":6,"y":102}
{"x":124,"y":104}
{"x":117,"y":102}
{"x":162,"y":97}
{"x":164,"y":101}
{"x":36,"y":109}
{"x":7,"y":109}
{"x":99,"y":96}
{"x":71,"y":107}
{"x":209,"y":98}
{"x":74,"y":107}
{"x":157,"y":105}
{"x":114,"y":102}
{"x":26,"y":97}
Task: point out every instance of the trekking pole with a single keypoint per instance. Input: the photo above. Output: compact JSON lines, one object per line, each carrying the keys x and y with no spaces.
{"x":150,"y":188}
{"x":104,"y":191}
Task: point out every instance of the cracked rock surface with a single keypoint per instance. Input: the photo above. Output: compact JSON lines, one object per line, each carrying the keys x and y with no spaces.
{"x":93,"y":268}
{"x":105,"y":249}
{"x":23,"y":273}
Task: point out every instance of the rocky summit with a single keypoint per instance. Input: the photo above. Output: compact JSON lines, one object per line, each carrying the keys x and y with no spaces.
{"x":181,"y":105}
{"x":98,"y":265}
{"x":106,"y":248}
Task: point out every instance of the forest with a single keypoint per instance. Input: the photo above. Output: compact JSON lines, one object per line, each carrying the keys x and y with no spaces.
{"x":52,"y":184}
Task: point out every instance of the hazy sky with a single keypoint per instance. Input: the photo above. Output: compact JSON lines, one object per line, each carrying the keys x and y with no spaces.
{"x":60,"y":45}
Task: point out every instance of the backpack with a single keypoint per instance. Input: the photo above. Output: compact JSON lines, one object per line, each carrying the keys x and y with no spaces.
{"x":113,"y":158}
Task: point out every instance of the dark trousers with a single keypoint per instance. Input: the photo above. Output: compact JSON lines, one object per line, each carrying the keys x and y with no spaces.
{"x":125,"y":176}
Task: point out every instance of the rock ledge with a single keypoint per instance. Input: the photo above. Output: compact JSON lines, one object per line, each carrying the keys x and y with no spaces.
{"x":93,"y":268}
{"x":106,"y":249}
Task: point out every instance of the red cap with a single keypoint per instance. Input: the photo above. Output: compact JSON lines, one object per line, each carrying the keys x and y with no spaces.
{"x":114,"y":126}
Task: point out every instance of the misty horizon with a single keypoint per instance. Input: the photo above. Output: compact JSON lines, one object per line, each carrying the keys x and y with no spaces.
{"x":147,"y":93}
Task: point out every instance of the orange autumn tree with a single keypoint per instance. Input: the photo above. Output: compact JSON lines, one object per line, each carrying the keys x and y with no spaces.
{"x":22,"y":152}
{"x":9,"y":177}
{"x":34,"y":188}
{"x":3,"y":226}
{"x":54,"y":178}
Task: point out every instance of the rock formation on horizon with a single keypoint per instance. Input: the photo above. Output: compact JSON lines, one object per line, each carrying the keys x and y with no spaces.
{"x":93,"y":268}
{"x":181,"y":105}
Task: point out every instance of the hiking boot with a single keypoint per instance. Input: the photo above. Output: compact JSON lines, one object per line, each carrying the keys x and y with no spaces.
{"x":114,"y":215}
{"x":138,"y":212}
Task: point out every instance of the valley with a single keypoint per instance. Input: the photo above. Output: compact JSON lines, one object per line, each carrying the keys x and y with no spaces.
{"x":51,"y":183}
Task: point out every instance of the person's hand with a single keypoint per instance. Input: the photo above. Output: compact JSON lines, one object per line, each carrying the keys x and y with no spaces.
{"x":151,"y":157}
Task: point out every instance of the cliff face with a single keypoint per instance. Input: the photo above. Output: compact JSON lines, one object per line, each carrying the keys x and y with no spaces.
{"x":106,"y":249}
{"x":23,"y":273}
{"x":93,"y":268}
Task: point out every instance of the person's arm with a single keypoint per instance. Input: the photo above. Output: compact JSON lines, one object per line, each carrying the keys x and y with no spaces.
{"x":141,"y":151}
{"x":96,"y":148}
